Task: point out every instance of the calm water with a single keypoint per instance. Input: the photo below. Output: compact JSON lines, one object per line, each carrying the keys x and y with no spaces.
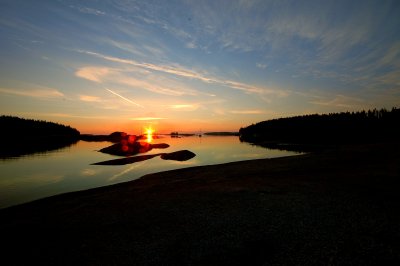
{"x":41,"y":175}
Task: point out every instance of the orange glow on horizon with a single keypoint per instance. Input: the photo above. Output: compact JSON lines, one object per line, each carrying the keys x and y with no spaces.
{"x":108,"y":126}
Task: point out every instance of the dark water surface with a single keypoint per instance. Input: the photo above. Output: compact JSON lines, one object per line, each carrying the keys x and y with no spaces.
{"x":70,"y":169}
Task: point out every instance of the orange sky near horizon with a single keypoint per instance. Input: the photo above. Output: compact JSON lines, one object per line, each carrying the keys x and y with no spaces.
{"x":138,"y":127}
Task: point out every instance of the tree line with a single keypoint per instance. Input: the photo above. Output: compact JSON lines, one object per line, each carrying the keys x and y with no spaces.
{"x":14,"y":126}
{"x":19,"y":136}
{"x":345,"y":127}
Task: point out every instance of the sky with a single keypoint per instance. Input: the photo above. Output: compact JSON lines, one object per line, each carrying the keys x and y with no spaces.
{"x":195,"y":66}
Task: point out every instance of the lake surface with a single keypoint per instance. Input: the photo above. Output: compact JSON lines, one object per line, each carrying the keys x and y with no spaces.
{"x":69,"y":169}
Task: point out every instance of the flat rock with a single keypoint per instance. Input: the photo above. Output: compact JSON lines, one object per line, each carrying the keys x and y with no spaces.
{"x":182,"y":155}
{"x":127,"y":148}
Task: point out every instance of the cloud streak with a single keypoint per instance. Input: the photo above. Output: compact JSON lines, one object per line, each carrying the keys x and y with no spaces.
{"x":88,"y":98}
{"x":146,"y":81}
{"x":124,"y":98}
{"x":93,"y":73}
{"x":147,"y":118}
{"x":165,"y":69}
{"x":184,"y":107}
{"x":247,"y":112}
{"x":176,"y":71}
{"x":340,"y":101}
{"x":44,"y":93}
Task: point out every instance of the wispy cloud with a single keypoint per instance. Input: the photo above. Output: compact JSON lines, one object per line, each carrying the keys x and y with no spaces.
{"x":184,"y":107}
{"x":165,"y":69}
{"x":155,"y":86}
{"x":339,"y":101}
{"x":108,"y":103}
{"x":147,"y":118}
{"x":89,"y":10}
{"x":176,"y":71}
{"x":248,"y":112}
{"x":65,"y":115}
{"x":326,"y":36}
{"x":262,"y":66}
{"x":125,"y":47}
{"x":392,"y":56}
{"x":93,"y":73}
{"x":150,"y":15}
{"x":127,"y":77}
{"x":124,"y":98}
{"x":42,"y":93}
{"x":88,"y":98}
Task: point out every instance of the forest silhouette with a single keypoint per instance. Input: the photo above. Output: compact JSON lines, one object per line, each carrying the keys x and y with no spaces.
{"x":20,"y":136}
{"x":334,"y":128}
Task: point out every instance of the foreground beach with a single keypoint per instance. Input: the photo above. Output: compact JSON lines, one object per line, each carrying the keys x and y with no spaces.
{"x":337,"y":207}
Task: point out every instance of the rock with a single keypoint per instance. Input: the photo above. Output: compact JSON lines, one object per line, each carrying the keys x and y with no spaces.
{"x":182,"y":155}
{"x":117,"y":136}
{"x":160,"y":146}
{"x":131,"y":147}
{"x":128,"y":160}
{"x":125,"y":148}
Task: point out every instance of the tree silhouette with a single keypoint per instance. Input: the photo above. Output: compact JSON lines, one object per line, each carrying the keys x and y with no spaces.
{"x":20,"y":136}
{"x":355,"y":127}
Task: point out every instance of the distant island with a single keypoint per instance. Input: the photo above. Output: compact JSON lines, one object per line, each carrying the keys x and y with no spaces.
{"x":20,"y":136}
{"x":334,"y":128}
{"x":222,"y":133}
{"x":217,"y":133}
{"x":177,"y":134}
{"x":114,"y":137}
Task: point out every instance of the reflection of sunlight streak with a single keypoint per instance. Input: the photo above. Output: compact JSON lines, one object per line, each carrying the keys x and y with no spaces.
{"x":136,"y":165}
{"x":126,"y":99}
{"x":88,"y":172}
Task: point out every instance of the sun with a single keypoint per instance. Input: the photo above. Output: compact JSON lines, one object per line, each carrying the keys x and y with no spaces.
{"x":149,"y":133}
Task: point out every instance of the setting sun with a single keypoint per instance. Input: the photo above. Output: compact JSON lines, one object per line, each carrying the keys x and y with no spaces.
{"x":149,"y":133}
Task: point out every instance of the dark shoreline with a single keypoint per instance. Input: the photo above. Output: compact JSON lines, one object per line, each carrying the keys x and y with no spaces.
{"x":331,"y":207}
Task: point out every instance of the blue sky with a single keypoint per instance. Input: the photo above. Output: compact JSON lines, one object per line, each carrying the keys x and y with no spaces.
{"x":111,"y":65}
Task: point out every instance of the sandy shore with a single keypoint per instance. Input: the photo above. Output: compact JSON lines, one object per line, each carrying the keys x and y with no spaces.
{"x":338,"y":207}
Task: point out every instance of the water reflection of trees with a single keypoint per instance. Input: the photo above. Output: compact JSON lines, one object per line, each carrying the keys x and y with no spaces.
{"x":334,"y":128}
{"x":20,"y":136}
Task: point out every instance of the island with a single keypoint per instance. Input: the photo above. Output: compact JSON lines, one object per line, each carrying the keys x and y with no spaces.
{"x":19,"y":136}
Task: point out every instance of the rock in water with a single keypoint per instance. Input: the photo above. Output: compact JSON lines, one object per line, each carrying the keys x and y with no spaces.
{"x":159,"y":145}
{"x":126,"y":148}
{"x":182,"y":155}
{"x":127,"y":160}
